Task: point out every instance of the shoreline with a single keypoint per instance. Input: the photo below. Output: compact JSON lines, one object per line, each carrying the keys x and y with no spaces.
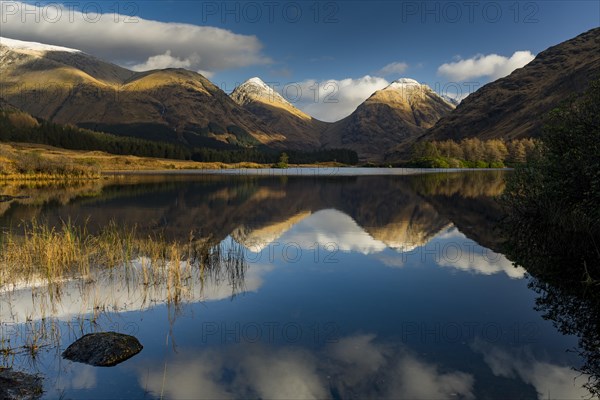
{"x":265,"y":171}
{"x":302,"y":171}
{"x":82,"y":165}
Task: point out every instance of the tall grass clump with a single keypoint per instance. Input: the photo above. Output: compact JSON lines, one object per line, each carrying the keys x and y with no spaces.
{"x":40,"y":251}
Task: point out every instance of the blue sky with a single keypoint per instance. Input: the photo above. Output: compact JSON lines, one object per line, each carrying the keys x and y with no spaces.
{"x":295,"y":45}
{"x":354,"y":38}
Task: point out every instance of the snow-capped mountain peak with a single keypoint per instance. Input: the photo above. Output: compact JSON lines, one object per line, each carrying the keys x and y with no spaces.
{"x":405,"y":81}
{"x":256,"y":89}
{"x":34,"y":46}
{"x":410,"y":89}
{"x":403,"y":84}
{"x":258,"y":82}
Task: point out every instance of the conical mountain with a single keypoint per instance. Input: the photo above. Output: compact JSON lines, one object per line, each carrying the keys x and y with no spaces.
{"x":300,"y":129}
{"x":68,"y":86}
{"x":398,"y":113}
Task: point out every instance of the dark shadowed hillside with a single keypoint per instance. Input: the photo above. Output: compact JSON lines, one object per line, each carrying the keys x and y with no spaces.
{"x":514,"y":106}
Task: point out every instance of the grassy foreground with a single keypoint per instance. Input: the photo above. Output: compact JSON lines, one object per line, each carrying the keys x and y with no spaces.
{"x":37,"y":162}
{"x":40,"y":162}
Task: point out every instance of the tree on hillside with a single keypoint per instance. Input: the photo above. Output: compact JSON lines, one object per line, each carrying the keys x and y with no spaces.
{"x":495,"y":151}
{"x":426,"y":149}
{"x":450,"y":149}
{"x":283,"y":161}
{"x":516,"y":152}
{"x":473,"y":149}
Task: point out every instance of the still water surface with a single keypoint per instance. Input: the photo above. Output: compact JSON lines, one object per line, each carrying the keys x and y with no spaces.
{"x":342,"y":287}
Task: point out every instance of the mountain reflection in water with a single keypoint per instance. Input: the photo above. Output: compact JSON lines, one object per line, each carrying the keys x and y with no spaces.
{"x":364,"y":286}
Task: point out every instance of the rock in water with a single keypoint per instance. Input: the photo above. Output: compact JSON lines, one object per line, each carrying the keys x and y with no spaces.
{"x":104,"y":349}
{"x":19,"y":385}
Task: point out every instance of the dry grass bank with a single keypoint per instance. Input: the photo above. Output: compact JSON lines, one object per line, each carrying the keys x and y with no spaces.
{"x":19,"y":161}
{"x":23,"y":163}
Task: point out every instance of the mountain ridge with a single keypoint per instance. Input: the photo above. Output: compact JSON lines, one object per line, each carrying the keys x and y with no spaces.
{"x":173,"y":105}
{"x":399,"y":112}
{"x":68,"y":86}
{"x":513,"y":107}
{"x":176,"y":105}
{"x":300,"y":129}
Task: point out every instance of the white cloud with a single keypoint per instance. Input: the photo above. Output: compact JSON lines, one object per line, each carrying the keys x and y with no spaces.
{"x":361,"y":352}
{"x":141,"y":43}
{"x":83,"y":377}
{"x":490,"y":66}
{"x":359,"y":361}
{"x":393,"y":68}
{"x":187,"y":379}
{"x":391,"y":260}
{"x":207,"y":74}
{"x":356,"y":366}
{"x":334,"y":228}
{"x":551,"y":381}
{"x":331,"y":100}
{"x":483,"y":261}
{"x":118,"y":291}
{"x":164,"y":61}
{"x":258,"y":372}
{"x":416,"y":379}
{"x":289,"y":373}
{"x":464,"y":254}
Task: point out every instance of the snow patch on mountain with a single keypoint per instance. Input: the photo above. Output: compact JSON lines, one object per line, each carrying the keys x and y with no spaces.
{"x":409,"y":87}
{"x":35,"y":46}
{"x":256,"y":89}
{"x":449,"y":99}
{"x":405,"y":81}
{"x":403,"y":84}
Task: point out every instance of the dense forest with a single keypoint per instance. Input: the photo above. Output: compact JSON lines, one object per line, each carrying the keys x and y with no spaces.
{"x":472,"y":153}
{"x":16,"y":126}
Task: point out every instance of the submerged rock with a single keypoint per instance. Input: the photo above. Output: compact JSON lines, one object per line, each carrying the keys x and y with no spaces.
{"x":104,"y":349}
{"x":16,"y":385}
